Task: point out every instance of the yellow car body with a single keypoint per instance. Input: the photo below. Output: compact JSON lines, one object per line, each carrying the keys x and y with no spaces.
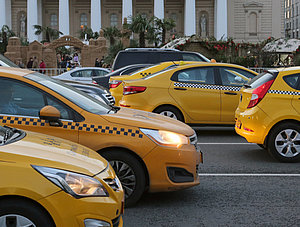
{"x":274,"y":120}
{"x":202,"y":93}
{"x":25,"y":192}
{"x":118,"y":134}
{"x":116,"y":87}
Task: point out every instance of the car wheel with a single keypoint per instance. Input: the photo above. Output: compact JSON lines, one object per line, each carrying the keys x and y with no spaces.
{"x":21,"y":213}
{"x":284,"y":142}
{"x":170,"y":111}
{"x":130,"y":172}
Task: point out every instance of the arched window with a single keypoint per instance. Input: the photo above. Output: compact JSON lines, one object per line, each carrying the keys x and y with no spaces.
{"x":83,"y":19}
{"x":253,"y":24}
{"x":53,"y":21}
{"x":113,"y":20}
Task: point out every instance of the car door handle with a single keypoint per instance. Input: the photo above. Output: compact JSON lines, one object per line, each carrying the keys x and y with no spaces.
{"x":230,"y":93}
{"x":180,"y":88}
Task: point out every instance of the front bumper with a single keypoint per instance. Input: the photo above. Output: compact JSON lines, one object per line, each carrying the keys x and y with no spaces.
{"x":69,"y":211}
{"x":252,"y":124}
{"x":172,"y":169}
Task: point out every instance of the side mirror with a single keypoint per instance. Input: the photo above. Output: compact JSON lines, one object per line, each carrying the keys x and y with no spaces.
{"x":213,"y":60}
{"x":51,"y":115}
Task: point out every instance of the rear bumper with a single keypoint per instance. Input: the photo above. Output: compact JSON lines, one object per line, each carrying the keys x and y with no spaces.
{"x":252,"y":124}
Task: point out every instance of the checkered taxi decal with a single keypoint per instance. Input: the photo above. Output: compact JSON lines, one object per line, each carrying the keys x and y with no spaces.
{"x":73,"y":126}
{"x":145,"y":74}
{"x":207,"y":86}
{"x":283,"y":92}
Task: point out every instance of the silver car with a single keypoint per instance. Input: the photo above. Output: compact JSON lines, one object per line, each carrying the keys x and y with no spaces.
{"x":83,"y":74}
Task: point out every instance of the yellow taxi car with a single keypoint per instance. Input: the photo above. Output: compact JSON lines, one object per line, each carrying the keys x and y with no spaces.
{"x":149,"y":152}
{"x":47,"y":181}
{"x":269,"y":113}
{"x":115,"y":82}
{"x":202,"y":93}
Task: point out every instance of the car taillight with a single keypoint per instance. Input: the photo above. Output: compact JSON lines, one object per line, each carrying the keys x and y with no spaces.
{"x":133,"y":90}
{"x":259,"y":93}
{"x":114,"y":83}
{"x":94,"y":82}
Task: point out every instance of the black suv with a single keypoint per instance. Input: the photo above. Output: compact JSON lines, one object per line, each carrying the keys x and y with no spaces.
{"x":132,"y":56}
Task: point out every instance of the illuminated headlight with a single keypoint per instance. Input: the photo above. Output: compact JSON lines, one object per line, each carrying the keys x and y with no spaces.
{"x":166,"y":138}
{"x":78,"y":185}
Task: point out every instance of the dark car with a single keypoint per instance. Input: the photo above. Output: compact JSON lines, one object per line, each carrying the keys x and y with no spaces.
{"x":132,"y":56}
{"x":126,"y":70}
{"x":98,"y":92}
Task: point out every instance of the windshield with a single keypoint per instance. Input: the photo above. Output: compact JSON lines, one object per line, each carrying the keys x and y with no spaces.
{"x":6,"y":62}
{"x":79,"y":98}
{"x":9,"y":135}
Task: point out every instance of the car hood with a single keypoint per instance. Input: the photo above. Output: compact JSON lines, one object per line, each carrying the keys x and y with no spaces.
{"x":143,"y":119}
{"x":42,"y":150}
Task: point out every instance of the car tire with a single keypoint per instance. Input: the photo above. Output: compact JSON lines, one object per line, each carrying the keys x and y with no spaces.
{"x":284,"y":142}
{"x":170,"y":111}
{"x":261,"y":146}
{"x":13,"y":211}
{"x":130,"y":172}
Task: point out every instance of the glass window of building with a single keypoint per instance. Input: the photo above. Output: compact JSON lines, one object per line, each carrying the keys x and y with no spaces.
{"x":53,"y":21}
{"x":113,"y":20}
{"x":174,"y":18}
{"x":83,"y":19}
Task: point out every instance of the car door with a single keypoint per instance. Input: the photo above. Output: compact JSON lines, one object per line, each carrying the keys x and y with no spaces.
{"x":84,"y":75}
{"x":195,"y":91}
{"x":20,"y":104}
{"x":232,"y":79}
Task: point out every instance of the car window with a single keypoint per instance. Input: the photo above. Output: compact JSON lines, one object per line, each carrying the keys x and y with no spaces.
{"x":64,"y":111}
{"x":234,"y":77}
{"x":99,"y":72}
{"x":203,"y":75}
{"x":82,"y":73}
{"x":76,"y":96}
{"x":20,"y":99}
{"x":292,"y":80}
{"x":191,"y":57}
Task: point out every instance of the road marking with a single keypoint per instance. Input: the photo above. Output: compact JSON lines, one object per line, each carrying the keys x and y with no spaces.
{"x":227,"y":143}
{"x":249,"y":174}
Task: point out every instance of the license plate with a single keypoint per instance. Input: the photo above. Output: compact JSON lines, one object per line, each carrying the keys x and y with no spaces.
{"x":238,"y":124}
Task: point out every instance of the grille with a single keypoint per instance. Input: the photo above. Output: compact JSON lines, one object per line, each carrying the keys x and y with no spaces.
{"x":113,"y":183}
{"x":110,"y":98}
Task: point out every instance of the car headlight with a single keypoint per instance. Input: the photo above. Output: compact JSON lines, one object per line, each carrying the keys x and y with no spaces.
{"x":166,"y":138}
{"x":78,"y":185}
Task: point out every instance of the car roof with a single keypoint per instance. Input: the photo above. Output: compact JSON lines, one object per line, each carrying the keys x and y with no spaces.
{"x":14,"y":71}
{"x":72,"y":82}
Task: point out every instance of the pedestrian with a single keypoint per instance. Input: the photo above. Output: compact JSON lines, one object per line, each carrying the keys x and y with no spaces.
{"x":102,"y":61}
{"x":75,"y":58}
{"x":29,"y":63}
{"x":97,"y":63}
{"x":35,"y":63}
{"x":42,"y":67}
{"x":21,"y":64}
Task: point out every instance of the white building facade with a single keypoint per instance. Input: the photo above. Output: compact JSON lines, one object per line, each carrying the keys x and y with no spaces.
{"x":239,"y":19}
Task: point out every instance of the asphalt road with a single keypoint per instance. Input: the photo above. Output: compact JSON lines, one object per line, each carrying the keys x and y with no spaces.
{"x":241,"y":185}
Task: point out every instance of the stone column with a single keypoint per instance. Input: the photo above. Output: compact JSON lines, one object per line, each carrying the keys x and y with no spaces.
{"x":5,"y":13}
{"x":159,"y":9}
{"x":32,"y":19}
{"x":64,"y":19}
{"x":96,"y":15}
{"x":221,"y":19}
{"x":189,"y":17}
{"x":127,"y":10}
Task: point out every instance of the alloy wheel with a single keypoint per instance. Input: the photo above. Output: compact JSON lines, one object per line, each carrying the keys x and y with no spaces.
{"x":168,"y":114}
{"x":287,"y":143}
{"x":125,"y":175}
{"x":15,"y":220}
